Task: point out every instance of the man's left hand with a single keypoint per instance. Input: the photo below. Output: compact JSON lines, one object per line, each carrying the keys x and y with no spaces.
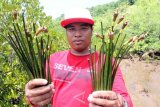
{"x":105,"y":99}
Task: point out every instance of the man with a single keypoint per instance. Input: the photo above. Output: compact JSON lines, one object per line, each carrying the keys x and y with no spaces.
{"x":70,"y":74}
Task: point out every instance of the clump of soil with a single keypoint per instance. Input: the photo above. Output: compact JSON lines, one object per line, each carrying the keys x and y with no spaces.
{"x":142,"y":80}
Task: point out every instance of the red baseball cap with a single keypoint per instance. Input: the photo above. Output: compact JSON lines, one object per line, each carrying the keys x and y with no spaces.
{"x":77,"y":15}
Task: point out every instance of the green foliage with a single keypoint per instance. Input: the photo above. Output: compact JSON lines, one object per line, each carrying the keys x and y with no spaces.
{"x":105,"y":8}
{"x":143,"y":17}
{"x":131,"y":2}
{"x":150,"y":43}
{"x":12,"y":75}
{"x":12,"y":81}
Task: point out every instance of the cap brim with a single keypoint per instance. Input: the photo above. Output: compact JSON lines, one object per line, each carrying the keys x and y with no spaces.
{"x":73,"y":20}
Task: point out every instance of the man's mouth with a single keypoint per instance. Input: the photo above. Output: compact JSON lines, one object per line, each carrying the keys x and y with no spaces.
{"x":77,"y":42}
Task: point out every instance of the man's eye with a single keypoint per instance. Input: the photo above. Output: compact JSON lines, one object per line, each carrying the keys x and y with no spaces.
{"x":71,"y":29}
{"x":84,"y":28}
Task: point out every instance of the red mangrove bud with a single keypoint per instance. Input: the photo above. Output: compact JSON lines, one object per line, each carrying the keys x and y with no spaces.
{"x":130,"y":40}
{"x":115,"y":15}
{"x":125,"y":24}
{"x":99,"y":36}
{"x":120,"y":19}
{"x":110,"y":35}
{"x":15,"y":14}
{"x":142,"y":37}
{"x":135,"y":38}
{"x":41,"y":29}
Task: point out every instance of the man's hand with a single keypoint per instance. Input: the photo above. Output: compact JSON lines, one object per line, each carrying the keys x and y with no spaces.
{"x":38,"y":92}
{"x":105,"y":99}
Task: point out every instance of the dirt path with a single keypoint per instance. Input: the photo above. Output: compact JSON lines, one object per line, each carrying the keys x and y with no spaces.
{"x":142,"y":80}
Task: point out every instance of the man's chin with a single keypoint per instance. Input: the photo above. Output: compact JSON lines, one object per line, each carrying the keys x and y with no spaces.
{"x":80,"y":50}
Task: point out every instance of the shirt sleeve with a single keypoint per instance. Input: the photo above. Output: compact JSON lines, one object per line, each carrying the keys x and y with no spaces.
{"x":119,"y":87}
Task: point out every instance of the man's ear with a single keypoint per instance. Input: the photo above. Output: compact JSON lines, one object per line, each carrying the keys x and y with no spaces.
{"x":92,"y":30}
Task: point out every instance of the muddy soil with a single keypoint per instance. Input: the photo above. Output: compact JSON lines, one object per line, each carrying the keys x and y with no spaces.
{"x":142,"y":80}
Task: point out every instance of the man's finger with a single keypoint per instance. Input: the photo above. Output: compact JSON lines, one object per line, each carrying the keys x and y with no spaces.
{"x":110,"y":95}
{"x":44,"y":102}
{"x":42,"y":97}
{"x":41,"y":90}
{"x":101,"y":102}
{"x":36,"y":82}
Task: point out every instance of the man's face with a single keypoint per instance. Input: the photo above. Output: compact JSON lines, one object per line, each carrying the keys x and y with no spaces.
{"x":79,"y":36}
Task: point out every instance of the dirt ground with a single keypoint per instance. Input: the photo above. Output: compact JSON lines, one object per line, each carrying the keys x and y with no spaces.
{"x":142,"y":80}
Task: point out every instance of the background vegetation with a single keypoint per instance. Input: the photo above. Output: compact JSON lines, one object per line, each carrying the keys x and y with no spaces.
{"x":143,"y":17}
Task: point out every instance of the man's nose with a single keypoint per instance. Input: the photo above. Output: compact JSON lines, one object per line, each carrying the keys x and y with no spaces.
{"x":77,"y":33}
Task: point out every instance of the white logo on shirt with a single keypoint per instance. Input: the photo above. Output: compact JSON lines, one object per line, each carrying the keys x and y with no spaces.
{"x":80,"y":97}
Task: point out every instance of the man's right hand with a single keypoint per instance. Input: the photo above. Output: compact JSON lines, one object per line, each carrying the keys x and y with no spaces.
{"x":38,"y":92}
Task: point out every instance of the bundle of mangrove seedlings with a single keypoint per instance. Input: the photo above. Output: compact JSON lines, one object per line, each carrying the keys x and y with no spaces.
{"x":31,"y":46}
{"x":113,"y":47}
